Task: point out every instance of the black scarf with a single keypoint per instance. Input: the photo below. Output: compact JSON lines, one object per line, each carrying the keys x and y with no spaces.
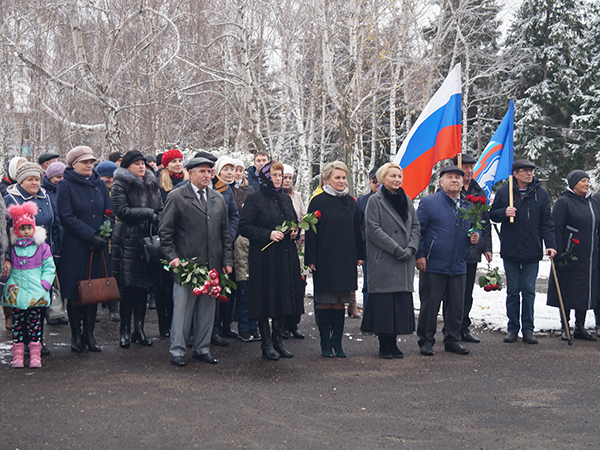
{"x":398,"y":202}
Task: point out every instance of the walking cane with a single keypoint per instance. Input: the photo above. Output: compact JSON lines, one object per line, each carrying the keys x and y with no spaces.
{"x":560,"y":301}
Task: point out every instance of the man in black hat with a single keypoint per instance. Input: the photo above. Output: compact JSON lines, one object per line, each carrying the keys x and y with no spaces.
{"x":484,"y":246}
{"x":194,"y":223}
{"x":361,"y":202}
{"x":45,"y":159}
{"x":521,"y":244}
{"x":444,"y":248}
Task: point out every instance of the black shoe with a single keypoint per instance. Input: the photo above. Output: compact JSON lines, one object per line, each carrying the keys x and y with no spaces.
{"x":53,"y":322}
{"x":296,"y":333}
{"x":468,"y":337}
{"x":511,"y":336}
{"x":207,"y":358}
{"x":279,"y":348}
{"x":285,"y":334}
{"x":455,"y":347}
{"x":529,"y":338}
{"x":427,"y":349}
{"x":581,"y":333}
{"x":385,"y":351}
{"x":245,"y":336}
{"x":228,"y":333}
{"x":141,"y":338}
{"x":125,"y":340}
{"x":63,"y":321}
{"x":76,"y":342}
{"x":255,"y":334}
{"x":396,"y":352}
{"x":45,"y":350}
{"x":114,"y":316}
{"x":269,"y":352}
{"x":178,"y":361}
{"x":218,"y":340}
{"x":165,"y":333}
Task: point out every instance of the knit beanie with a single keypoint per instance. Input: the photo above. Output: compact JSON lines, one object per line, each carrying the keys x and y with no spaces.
{"x":28,"y":169}
{"x":170,"y":155}
{"x":54,"y":169}
{"x":222,"y":162}
{"x":575,"y":176}
{"x":23,"y":214}
{"x":12,"y":166}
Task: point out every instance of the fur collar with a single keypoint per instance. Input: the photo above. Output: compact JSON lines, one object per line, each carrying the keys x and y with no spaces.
{"x":126,"y":176}
{"x":39,"y":235}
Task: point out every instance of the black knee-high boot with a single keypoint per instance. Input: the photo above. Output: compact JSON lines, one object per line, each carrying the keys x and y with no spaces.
{"x":278,"y":337}
{"x":89,"y":322}
{"x":126,"y":307}
{"x":580,"y":331}
{"x":385,"y":351}
{"x":139,"y":315}
{"x":266,"y":344}
{"x":75,"y":315}
{"x":337,"y":327}
{"x":324,"y":323}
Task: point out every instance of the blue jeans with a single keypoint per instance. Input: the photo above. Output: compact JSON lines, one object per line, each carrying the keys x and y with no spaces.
{"x":243,"y":323}
{"x":520,"y":282}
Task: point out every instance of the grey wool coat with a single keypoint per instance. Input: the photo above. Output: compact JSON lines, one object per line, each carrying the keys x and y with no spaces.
{"x":391,"y":246}
{"x":186,"y":231}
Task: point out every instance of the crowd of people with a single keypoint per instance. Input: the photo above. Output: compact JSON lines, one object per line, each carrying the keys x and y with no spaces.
{"x":62,"y":223}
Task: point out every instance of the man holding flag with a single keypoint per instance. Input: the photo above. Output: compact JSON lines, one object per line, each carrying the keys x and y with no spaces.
{"x":484,"y":246}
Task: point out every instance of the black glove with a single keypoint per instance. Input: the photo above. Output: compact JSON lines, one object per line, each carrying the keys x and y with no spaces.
{"x":155,"y":220}
{"x":98,"y":243}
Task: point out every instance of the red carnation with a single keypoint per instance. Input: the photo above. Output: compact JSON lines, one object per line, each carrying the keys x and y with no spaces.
{"x":487,"y":288}
{"x":575,"y":241}
{"x":318,"y":214}
{"x":222,"y":299}
{"x":482,"y":200}
{"x":469,"y":198}
{"x":495,"y":287}
{"x":108,"y":212}
{"x":213,"y":274}
{"x":197,"y":292}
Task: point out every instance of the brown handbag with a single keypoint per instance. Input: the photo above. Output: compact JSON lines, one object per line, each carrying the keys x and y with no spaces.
{"x":98,"y":290}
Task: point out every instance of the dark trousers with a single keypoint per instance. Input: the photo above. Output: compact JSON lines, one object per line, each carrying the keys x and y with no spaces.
{"x":133,"y":300}
{"x":469,"y":284}
{"x":164,"y":302}
{"x":433,"y":287}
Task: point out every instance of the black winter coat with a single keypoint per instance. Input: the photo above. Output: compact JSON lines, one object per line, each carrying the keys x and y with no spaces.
{"x":576,"y":217}
{"x":485,"y":238}
{"x":338,"y":244}
{"x":135,"y":201}
{"x":522,"y":240}
{"x":275,"y":286}
{"x":81,"y":204}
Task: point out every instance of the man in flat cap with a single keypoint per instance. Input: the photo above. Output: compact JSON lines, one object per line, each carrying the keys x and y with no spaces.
{"x":45,"y":159}
{"x":521,"y":244}
{"x":444,"y":248}
{"x":194,"y":223}
{"x":484,"y":246}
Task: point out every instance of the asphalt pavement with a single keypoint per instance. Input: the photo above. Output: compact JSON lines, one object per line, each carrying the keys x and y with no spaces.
{"x":501,"y":396}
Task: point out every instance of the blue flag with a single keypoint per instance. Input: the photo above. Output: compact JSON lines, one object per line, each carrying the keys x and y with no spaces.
{"x":495,"y":163}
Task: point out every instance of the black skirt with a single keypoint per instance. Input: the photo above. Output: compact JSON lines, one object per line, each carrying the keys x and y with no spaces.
{"x":389,"y":313}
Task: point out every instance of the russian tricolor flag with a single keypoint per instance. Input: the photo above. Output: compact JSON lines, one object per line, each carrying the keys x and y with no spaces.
{"x":435,"y":136}
{"x":495,"y":163}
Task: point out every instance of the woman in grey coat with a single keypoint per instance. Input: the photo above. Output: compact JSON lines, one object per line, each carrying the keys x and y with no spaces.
{"x":393,"y":233}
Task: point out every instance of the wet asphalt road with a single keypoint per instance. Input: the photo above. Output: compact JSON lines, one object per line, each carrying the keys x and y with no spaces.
{"x":501,"y":396}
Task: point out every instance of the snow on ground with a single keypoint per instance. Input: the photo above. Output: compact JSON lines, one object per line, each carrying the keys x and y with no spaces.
{"x":489,"y":308}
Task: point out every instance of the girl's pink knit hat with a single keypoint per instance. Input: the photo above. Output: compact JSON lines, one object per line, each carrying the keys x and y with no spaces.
{"x":22,"y":215}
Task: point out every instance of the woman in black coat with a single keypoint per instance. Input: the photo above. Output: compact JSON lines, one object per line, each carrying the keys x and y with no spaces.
{"x":82,"y":199}
{"x":576,"y":217}
{"x":333,"y":255}
{"x":275,"y":284}
{"x":136,"y":199}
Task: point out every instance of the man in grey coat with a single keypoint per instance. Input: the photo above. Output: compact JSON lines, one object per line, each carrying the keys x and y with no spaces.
{"x":195,"y":224}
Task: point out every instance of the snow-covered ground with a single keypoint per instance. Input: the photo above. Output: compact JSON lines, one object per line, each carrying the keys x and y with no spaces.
{"x":489,"y":308}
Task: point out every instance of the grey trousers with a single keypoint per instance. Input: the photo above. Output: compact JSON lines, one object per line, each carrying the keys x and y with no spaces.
{"x":433,"y":288}
{"x":188,"y":308}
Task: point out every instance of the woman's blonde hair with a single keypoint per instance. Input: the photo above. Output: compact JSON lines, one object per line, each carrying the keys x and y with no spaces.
{"x":166,"y":184}
{"x":329,"y":168}
{"x":383,"y":171}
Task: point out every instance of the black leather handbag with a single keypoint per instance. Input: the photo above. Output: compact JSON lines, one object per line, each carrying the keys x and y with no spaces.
{"x":151,"y":246}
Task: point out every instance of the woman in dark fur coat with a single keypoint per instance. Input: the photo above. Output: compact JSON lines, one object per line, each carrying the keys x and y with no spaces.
{"x":275,"y":285}
{"x":137,"y":203}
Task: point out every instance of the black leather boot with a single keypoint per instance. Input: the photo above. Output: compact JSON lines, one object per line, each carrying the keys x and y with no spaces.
{"x":74,"y":312}
{"x":266,"y":344}
{"x":385,"y":351}
{"x":324,"y":324}
{"x":337,"y":327}
{"x":278,"y":338}
{"x":581,"y":333}
{"x":138,"y":334}
{"x":125,"y":341}
{"x":89,"y":322}
{"x":396,"y":352}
